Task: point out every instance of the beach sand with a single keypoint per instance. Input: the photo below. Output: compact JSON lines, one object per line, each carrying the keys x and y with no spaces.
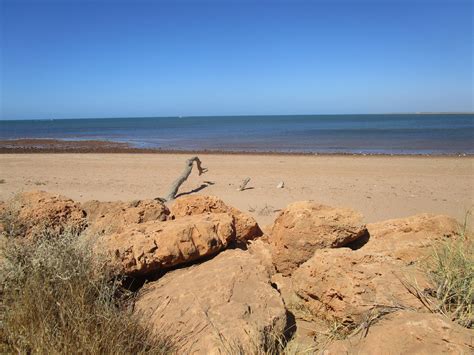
{"x":380,"y":187}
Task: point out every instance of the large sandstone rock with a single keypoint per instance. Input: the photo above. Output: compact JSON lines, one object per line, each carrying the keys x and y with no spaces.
{"x":407,"y":332}
{"x":411,"y":239}
{"x":260,"y":249}
{"x":217,"y":306}
{"x":304,"y":227}
{"x":344,"y":285}
{"x":115,"y":217}
{"x":29,"y":214}
{"x":153,"y":246}
{"x":246,"y":228}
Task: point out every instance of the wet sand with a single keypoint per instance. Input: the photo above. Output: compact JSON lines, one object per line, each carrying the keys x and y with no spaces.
{"x":381,"y":187}
{"x":35,"y":145}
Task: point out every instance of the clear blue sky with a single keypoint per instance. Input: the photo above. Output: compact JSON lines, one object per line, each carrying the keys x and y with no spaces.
{"x":66,"y":59}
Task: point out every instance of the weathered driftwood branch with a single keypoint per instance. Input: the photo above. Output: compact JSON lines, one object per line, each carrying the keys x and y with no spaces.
{"x":243,"y":185}
{"x":184,"y":176}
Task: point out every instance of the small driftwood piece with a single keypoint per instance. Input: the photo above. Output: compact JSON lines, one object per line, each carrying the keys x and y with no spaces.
{"x":184,"y":176}
{"x":243,"y":185}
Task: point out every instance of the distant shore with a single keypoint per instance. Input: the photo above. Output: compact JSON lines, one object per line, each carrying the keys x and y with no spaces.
{"x":27,"y":146}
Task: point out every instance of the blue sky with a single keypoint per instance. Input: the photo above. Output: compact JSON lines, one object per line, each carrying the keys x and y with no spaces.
{"x":70,"y":59}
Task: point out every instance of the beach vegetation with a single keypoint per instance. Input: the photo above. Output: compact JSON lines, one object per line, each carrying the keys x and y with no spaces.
{"x":55,"y":297}
{"x":451,"y":268}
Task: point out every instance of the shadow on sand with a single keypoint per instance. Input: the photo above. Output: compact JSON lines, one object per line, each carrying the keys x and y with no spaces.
{"x":197,"y":189}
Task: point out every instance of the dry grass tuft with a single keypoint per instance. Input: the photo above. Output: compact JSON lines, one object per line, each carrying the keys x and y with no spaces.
{"x":271,"y":344}
{"x":10,"y":222}
{"x":345,"y":329}
{"x":452,"y":270}
{"x":56,"y":298}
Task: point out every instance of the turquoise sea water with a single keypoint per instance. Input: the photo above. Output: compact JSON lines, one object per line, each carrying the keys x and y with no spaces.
{"x":365,"y":134}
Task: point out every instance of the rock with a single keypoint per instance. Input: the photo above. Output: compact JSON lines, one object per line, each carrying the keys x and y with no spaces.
{"x":30,"y":214}
{"x":114,"y":217}
{"x":284,"y":285}
{"x":406,"y":332}
{"x":280,"y":185}
{"x":216,"y":307}
{"x":260,"y":249}
{"x":343,"y":284}
{"x":141,"y":249}
{"x":412,"y":238}
{"x":246,"y":228}
{"x":304,"y":227}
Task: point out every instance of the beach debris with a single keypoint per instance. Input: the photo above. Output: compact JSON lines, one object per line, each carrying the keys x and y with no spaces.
{"x":267,"y":210}
{"x":184,"y":176}
{"x":243,"y":185}
{"x":281,"y":185}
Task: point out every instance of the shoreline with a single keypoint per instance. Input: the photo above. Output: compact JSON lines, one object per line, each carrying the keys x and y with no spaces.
{"x":58,"y":146}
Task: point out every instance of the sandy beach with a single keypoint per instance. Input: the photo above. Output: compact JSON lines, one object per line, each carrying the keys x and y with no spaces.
{"x":381,"y":187}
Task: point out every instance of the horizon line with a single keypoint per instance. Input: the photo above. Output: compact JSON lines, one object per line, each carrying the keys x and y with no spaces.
{"x":248,"y":115}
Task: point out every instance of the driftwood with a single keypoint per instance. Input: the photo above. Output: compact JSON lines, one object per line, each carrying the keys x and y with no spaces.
{"x":184,"y":176}
{"x":243,"y":185}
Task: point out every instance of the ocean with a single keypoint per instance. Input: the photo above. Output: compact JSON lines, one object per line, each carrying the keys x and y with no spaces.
{"x":353,"y":134}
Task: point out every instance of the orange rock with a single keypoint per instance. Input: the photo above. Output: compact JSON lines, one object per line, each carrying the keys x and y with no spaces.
{"x":412,"y":238}
{"x":221,"y":306}
{"x":140,"y":249}
{"x":304,"y":227}
{"x":342,"y":284}
{"x":246,"y":228}
{"x":38,"y":211}
{"x":260,"y":249}
{"x":406,"y":332}
{"x":114,"y":217}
